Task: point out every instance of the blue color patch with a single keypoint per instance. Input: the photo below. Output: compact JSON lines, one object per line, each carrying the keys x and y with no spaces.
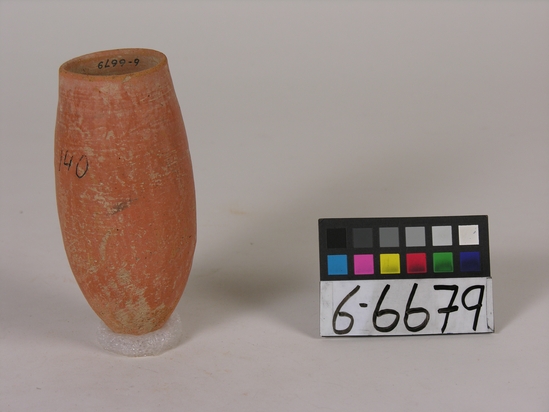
{"x":469,"y":261}
{"x":337,"y":265}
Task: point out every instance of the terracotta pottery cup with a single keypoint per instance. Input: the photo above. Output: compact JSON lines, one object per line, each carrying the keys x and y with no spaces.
{"x":124,"y":186}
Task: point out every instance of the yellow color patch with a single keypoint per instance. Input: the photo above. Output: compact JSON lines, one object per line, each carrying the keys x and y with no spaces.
{"x":389,"y":263}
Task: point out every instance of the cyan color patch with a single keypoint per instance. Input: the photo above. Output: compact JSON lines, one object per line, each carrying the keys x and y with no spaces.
{"x":337,"y":265}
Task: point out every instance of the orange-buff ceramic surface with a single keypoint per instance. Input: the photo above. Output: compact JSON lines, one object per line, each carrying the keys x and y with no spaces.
{"x":124,"y":185}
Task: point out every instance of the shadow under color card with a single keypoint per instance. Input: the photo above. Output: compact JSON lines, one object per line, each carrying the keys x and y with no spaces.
{"x":434,"y":271}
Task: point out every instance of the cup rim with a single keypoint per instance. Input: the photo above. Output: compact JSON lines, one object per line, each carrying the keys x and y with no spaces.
{"x":86,"y":65}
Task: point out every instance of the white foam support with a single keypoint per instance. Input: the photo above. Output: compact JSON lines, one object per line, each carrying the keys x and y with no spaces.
{"x":149,"y":344}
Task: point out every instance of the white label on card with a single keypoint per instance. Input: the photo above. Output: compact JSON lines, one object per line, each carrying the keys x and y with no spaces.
{"x":406,"y":306}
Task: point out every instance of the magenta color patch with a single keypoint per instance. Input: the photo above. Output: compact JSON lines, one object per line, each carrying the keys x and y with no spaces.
{"x":364,"y":264}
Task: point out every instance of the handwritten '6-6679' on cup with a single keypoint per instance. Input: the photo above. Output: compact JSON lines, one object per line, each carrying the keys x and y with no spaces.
{"x":405,"y":276}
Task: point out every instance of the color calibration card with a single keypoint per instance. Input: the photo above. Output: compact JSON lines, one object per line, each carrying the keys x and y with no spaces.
{"x":405,"y":276}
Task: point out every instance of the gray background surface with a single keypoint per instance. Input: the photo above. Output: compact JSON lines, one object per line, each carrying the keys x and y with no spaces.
{"x":295,"y":110}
